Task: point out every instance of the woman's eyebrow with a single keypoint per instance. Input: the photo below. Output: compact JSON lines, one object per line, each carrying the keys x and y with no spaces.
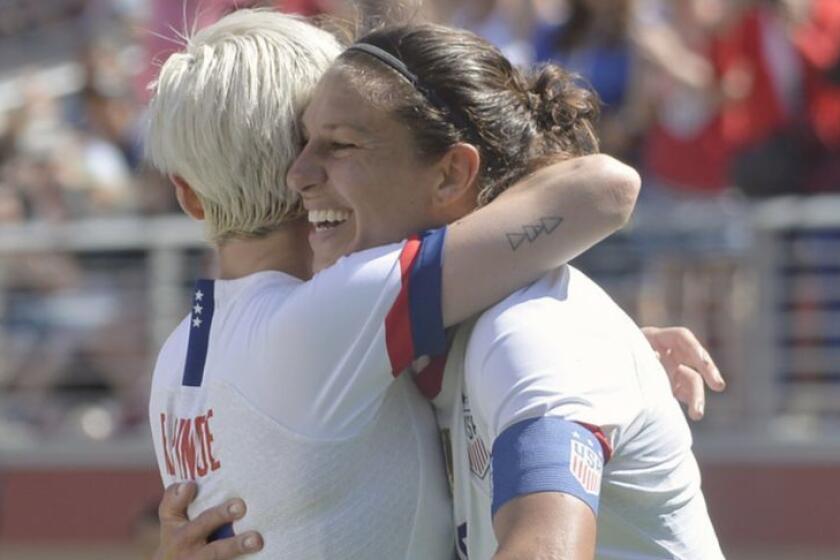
{"x":361,"y":129}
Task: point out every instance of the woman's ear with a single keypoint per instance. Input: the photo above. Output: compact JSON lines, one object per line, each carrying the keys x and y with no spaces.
{"x":189,"y":201}
{"x":459,"y":168}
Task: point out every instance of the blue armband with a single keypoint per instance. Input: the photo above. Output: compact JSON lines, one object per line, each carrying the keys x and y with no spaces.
{"x":547,"y":454}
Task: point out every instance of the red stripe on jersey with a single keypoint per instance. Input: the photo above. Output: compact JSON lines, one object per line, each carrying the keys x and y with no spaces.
{"x":602,"y":439}
{"x":398,"y":336}
{"x":430,"y":380}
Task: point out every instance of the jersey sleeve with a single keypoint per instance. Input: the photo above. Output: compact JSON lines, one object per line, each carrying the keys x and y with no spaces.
{"x":355,"y":326}
{"x":541,"y":398}
{"x":414,"y":322}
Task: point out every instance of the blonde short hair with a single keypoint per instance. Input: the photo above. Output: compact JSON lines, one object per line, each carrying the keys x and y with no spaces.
{"x":225,"y":116}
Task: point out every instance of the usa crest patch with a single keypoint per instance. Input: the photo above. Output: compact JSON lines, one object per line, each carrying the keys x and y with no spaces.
{"x":477,"y":452}
{"x":479,"y":457}
{"x":585,"y":465}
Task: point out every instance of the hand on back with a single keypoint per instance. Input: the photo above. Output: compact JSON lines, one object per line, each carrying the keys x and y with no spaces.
{"x":185,"y":539}
{"x":688,"y":365}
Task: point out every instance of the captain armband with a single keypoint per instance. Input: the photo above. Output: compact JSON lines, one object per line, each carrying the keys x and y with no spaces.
{"x":547,"y":454}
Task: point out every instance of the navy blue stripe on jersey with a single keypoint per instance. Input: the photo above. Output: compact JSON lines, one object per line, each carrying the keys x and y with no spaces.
{"x":201,"y":318}
{"x":425,"y":296}
{"x":547,"y":454}
{"x":223,"y":532}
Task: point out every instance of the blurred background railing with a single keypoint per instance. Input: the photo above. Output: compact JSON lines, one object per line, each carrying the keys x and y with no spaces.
{"x":767,"y":305}
{"x":85,"y":305}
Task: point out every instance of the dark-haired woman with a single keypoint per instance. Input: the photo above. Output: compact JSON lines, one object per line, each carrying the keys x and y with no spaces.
{"x":331,"y":462}
{"x":552,"y":401}
{"x":289,"y":393}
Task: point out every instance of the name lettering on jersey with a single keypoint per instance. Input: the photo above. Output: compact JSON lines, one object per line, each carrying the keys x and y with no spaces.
{"x":188,"y":446}
{"x":585,"y":465}
{"x":476,"y":450}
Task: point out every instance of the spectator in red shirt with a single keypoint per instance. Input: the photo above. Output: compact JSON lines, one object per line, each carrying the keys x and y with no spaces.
{"x":728,"y":124}
{"x":817,"y":37}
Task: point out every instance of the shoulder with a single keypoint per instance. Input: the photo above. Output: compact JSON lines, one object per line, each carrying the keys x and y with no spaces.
{"x":173,"y":352}
{"x":529,"y":310}
{"x":370,"y":259}
{"x":246,"y":309}
{"x":416,"y":252}
{"x":561,"y":337}
{"x":177,"y":340}
{"x":533,"y":332}
{"x":354,"y":278}
{"x":563,"y":297}
{"x":264,"y":295}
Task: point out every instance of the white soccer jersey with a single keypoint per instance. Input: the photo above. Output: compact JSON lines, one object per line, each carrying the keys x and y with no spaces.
{"x":285,"y":393}
{"x":561,"y":351}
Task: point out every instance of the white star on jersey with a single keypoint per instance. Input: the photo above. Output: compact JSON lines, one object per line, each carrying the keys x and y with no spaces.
{"x":282,"y":421}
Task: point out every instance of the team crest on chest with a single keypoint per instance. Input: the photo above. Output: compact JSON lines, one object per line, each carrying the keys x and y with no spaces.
{"x":476,"y":450}
{"x":585,"y":465}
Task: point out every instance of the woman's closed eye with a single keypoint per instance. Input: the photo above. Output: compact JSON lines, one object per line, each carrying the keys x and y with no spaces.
{"x":336,"y":146}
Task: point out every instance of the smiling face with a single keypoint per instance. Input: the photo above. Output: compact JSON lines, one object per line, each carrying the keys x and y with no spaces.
{"x":360,"y":174}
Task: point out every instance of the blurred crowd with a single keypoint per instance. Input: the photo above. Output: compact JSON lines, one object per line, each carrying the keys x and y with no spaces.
{"x":712,"y":100}
{"x":701,"y":95}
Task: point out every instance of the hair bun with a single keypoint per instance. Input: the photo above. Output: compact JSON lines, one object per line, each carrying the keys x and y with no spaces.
{"x":561,"y":103}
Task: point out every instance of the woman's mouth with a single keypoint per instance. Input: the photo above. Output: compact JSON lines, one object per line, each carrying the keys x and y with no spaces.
{"x":328,"y":219}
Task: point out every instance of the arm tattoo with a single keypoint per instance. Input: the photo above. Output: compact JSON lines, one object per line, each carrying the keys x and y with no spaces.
{"x":531,"y":232}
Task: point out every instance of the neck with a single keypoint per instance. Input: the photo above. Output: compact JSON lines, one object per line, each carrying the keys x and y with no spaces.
{"x":284,"y":250}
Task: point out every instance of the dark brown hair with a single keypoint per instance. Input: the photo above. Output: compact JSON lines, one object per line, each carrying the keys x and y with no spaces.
{"x":517,"y":120}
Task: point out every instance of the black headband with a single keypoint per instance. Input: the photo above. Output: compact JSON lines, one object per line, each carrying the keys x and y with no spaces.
{"x":398,"y":65}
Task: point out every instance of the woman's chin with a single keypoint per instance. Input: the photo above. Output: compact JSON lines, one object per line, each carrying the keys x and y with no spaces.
{"x":329,"y":245}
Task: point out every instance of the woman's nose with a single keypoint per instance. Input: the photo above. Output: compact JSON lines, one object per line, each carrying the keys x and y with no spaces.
{"x":304,"y":172}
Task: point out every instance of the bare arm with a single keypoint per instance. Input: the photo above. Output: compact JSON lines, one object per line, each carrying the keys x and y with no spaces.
{"x":544,"y":221}
{"x":545,"y":526}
